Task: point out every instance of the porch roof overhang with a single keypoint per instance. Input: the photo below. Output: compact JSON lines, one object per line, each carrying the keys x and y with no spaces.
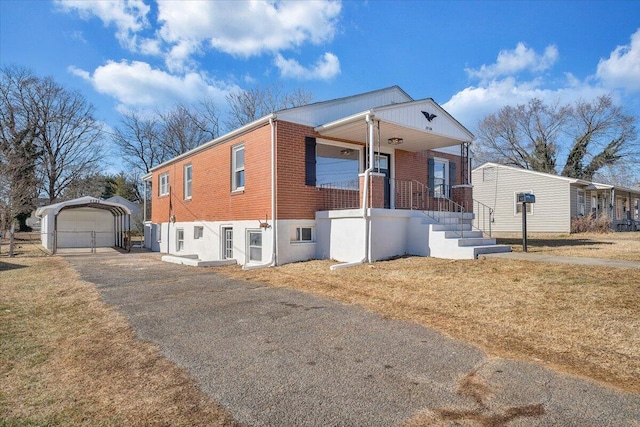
{"x":406,"y":121}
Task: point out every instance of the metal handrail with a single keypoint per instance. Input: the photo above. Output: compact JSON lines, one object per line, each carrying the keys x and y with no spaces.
{"x":483,"y":217}
{"x":340,"y":195}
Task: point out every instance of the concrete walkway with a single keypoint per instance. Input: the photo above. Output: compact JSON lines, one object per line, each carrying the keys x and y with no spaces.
{"x":279,"y":357}
{"x":532,"y":256}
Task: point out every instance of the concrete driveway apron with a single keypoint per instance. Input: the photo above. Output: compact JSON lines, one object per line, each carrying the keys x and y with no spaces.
{"x":279,"y":357}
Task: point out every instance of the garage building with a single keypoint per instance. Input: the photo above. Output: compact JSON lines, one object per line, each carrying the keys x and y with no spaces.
{"x":86,"y":222}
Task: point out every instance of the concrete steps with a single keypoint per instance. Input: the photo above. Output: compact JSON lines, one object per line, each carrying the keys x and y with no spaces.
{"x":459,"y":241}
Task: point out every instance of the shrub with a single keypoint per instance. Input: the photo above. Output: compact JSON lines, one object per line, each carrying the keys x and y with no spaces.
{"x":590,"y":224}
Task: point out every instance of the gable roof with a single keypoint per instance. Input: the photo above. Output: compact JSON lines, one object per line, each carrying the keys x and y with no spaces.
{"x":318,"y":113}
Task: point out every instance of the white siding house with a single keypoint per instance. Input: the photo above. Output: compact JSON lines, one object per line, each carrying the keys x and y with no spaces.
{"x":558,"y":200}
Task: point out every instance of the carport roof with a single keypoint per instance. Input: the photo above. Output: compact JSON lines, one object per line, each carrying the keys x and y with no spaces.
{"x":82,"y":202}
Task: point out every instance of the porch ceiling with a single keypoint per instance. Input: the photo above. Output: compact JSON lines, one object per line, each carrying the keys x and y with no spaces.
{"x":413,"y":139}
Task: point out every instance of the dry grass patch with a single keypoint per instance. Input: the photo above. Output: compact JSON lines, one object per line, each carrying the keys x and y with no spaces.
{"x":68,"y":359}
{"x":585,"y":321}
{"x":619,"y":246}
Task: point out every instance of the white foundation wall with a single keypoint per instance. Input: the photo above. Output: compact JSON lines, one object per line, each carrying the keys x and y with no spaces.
{"x":290,"y":250}
{"x":340,"y":235}
{"x":210,"y":246}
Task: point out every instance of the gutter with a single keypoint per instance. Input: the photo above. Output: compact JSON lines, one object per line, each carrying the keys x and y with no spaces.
{"x":365,"y":197}
{"x":274,"y":247}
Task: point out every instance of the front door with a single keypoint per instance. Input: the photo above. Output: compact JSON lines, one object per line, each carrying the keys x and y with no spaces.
{"x":383,"y":166}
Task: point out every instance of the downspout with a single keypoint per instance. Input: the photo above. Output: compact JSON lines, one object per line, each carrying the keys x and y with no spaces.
{"x":274,"y":240}
{"x":365,"y":197}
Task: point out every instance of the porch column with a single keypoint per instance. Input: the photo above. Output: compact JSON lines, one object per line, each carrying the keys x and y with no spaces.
{"x":463,"y":195}
{"x":376,"y":190}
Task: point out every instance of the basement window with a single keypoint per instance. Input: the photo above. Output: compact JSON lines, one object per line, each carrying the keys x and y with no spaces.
{"x":198,"y":232}
{"x":302,"y":235}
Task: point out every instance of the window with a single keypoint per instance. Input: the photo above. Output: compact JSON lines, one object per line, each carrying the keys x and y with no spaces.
{"x":440,"y":178}
{"x":302,"y":235}
{"x":237,"y":168}
{"x":517,"y":210}
{"x":179,"y":239}
{"x":582,"y":203}
{"x":188,"y":175}
{"x":255,"y":245}
{"x":163,"y":184}
{"x":198,"y":232}
{"x":159,"y":232}
{"x":337,"y":164}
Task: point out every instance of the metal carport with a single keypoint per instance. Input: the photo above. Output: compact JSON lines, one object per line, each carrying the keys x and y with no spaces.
{"x":86,"y":222}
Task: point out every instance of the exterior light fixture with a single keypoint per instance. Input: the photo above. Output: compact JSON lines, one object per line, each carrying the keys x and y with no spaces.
{"x":346,"y":151}
{"x":395,"y":141}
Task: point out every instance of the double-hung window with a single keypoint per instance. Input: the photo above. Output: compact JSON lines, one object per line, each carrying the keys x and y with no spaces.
{"x":163,"y":184}
{"x":188,"y":177}
{"x":179,"y":239}
{"x":255,"y":245}
{"x":237,"y":168}
{"x":582,"y":203}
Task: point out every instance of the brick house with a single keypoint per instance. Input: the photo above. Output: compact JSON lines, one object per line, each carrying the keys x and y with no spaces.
{"x":354,"y":179}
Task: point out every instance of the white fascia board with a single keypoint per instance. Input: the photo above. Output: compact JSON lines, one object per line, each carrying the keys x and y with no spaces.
{"x":344,"y":121}
{"x":220,"y":140}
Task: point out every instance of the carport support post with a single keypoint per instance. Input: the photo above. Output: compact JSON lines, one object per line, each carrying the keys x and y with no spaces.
{"x":524,"y":226}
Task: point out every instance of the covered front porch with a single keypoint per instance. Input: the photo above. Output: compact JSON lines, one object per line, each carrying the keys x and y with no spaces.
{"x":395,"y":181}
{"x":618,"y":205}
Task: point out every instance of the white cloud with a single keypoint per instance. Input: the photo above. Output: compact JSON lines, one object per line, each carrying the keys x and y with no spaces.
{"x":248,"y":28}
{"x":513,"y":61}
{"x":622,"y":68}
{"x":326,"y":68}
{"x":138,"y":85}
{"x":473,"y":103}
{"x":128,"y":16}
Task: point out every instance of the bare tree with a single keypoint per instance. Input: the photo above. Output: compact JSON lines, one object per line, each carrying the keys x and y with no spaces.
{"x":604,"y":135}
{"x":185,"y":128}
{"x":146,"y":141}
{"x":18,"y":145}
{"x":531,"y":136}
{"x":525,"y":136}
{"x":138,"y":138}
{"x":69,"y":138}
{"x":248,"y":105}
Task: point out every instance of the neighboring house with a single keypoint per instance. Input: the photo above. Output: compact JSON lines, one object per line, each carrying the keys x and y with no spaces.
{"x":86,"y":222}
{"x":558,"y":200}
{"x":354,"y":179}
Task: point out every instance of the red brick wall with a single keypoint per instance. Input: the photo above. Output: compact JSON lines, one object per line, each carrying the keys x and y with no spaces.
{"x":295,"y":200}
{"x":212,"y":199}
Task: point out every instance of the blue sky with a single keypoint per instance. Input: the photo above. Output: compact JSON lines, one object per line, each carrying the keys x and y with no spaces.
{"x":472,"y":57}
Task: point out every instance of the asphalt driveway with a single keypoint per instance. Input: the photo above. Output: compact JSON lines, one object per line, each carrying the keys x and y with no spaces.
{"x":279,"y":357}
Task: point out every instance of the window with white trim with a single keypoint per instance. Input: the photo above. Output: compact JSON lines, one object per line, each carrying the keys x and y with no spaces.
{"x":303,"y":234}
{"x":237,"y":168}
{"x":163,"y":184}
{"x":198,"y":232}
{"x":254,"y":238}
{"x":517,"y":208}
{"x":187,"y":177}
{"x":179,"y":239}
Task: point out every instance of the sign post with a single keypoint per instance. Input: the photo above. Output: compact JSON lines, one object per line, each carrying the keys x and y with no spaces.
{"x":525,"y":198}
